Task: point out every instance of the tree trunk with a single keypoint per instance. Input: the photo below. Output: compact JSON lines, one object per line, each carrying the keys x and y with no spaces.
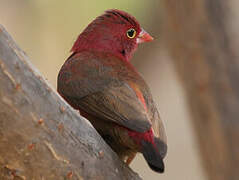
{"x":41,"y":137}
{"x":199,"y":40}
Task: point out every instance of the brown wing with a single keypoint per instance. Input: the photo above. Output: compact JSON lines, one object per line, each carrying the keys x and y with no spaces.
{"x":157,"y":123}
{"x":100,"y":87}
{"x":158,"y":127}
{"x":152,"y":111}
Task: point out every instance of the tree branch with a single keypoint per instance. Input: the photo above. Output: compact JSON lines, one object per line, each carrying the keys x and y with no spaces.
{"x":41,"y":137}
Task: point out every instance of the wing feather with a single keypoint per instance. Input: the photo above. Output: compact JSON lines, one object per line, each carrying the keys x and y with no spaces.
{"x":101,"y":89}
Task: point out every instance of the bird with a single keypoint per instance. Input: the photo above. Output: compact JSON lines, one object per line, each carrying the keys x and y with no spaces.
{"x":99,"y":80}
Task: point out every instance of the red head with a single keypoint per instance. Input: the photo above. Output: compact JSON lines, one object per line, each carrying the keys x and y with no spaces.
{"x":114,"y":32}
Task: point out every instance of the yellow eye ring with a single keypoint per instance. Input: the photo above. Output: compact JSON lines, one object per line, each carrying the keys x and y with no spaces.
{"x":131,"y":33}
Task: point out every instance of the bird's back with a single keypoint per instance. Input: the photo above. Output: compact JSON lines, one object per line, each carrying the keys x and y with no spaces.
{"x":89,"y":74}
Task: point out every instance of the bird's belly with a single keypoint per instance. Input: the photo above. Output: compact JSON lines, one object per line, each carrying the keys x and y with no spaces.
{"x":116,"y":136}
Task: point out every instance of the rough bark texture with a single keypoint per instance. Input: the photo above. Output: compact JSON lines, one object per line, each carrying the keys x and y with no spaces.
{"x":199,"y":42}
{"x":41,"y":137}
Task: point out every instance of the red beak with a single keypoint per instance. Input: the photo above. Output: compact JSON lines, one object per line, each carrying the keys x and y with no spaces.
{"x":144,"y":37}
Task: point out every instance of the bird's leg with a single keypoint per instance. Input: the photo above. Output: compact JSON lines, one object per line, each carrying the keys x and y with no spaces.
{"x":130,"y":158}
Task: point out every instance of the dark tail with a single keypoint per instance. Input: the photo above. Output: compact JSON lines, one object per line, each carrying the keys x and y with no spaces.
{"x":154,"y":154}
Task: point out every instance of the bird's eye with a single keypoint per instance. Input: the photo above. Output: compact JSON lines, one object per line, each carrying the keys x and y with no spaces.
{"x":131,"y":33}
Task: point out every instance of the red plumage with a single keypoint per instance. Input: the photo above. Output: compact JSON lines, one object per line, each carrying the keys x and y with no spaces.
{"x":105,"y":34}
{"x":99,"y":80}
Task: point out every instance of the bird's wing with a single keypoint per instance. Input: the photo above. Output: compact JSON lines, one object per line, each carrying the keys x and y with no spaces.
{"x":95,"y":86}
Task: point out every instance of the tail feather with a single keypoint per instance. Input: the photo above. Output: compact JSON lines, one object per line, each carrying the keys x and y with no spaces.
{"x":161,"y":147}
{"x":154,"y":154}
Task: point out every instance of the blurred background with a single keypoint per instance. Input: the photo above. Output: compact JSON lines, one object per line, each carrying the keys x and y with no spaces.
{"x":46,"y":31}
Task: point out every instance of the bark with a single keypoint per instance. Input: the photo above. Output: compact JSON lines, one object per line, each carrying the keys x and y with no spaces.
{"x":41,"y":137}
{"x":203,"y":50}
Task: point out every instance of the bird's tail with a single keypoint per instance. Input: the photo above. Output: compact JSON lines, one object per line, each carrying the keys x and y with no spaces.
{"x":154,"y":154}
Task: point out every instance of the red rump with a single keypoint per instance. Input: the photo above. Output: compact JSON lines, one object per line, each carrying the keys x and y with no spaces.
{"x":146,"y":136}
